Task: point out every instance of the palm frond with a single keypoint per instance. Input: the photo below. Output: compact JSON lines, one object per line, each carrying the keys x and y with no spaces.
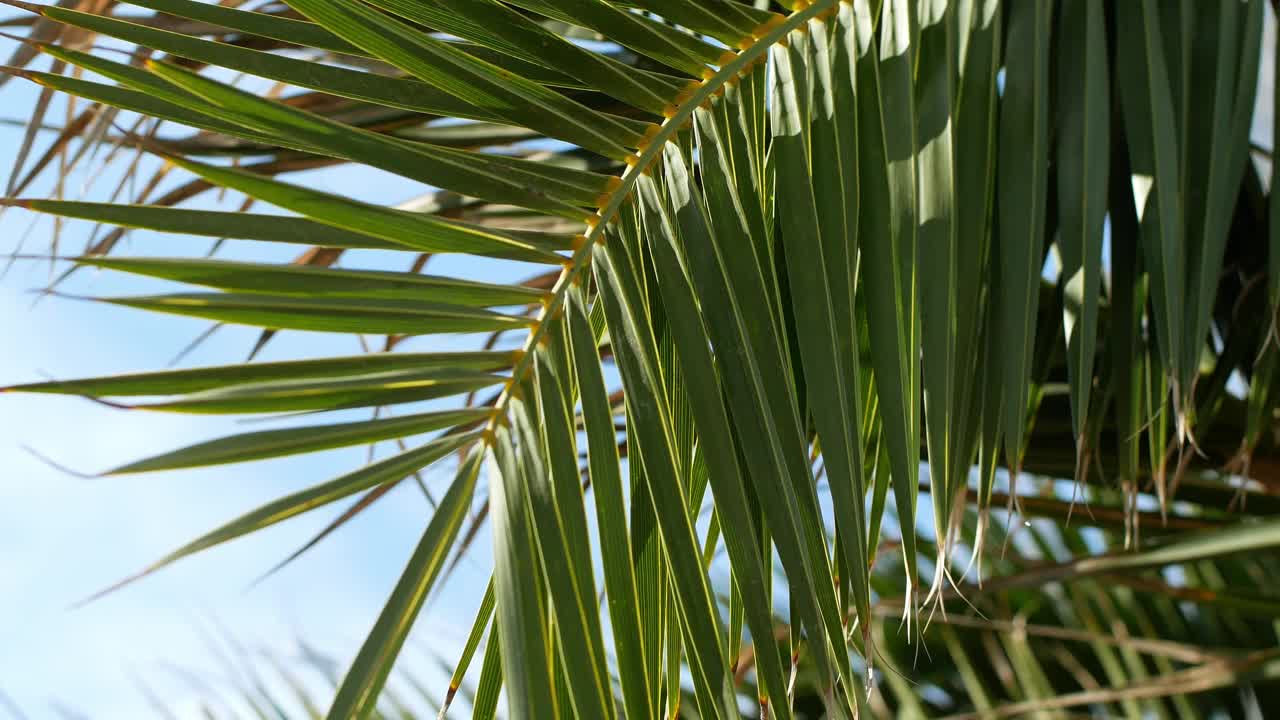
{"x":757,"y":260}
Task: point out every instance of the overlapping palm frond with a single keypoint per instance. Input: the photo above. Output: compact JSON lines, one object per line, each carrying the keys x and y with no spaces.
{"x":1194,"y":640}
{"x":784,"y":254}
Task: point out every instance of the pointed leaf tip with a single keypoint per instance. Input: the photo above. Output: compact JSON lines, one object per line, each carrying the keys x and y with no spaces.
{"x":29,"y":7}
{"x":113,"y":587}
{"x":59,"y":466}
{"x":19,"y":72}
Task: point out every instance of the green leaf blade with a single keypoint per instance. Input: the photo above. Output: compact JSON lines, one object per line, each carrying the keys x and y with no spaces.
{"x":357,"y":697}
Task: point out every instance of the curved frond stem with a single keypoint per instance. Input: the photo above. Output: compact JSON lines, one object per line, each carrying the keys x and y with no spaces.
{"x":752,"y":50}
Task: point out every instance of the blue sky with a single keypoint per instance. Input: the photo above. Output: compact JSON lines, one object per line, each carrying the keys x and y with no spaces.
{"x":62,"y":537}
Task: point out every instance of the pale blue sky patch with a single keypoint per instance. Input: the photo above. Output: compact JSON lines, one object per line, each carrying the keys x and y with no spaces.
{"x":63,"y":538}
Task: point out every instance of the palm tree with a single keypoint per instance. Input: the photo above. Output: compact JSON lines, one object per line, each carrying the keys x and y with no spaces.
{"x":782,"y":257}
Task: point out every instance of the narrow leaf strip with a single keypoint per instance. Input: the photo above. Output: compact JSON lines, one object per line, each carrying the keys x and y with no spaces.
{"x":316,"y":281}
{"x":1083,"y":170}
{"x":1023,"y":183}
{"x":621,"y":593}
{"x":292,"y":441}
{"x":178,"y":382}
{"x":390,"y":470}
{"x":358,"y":695}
